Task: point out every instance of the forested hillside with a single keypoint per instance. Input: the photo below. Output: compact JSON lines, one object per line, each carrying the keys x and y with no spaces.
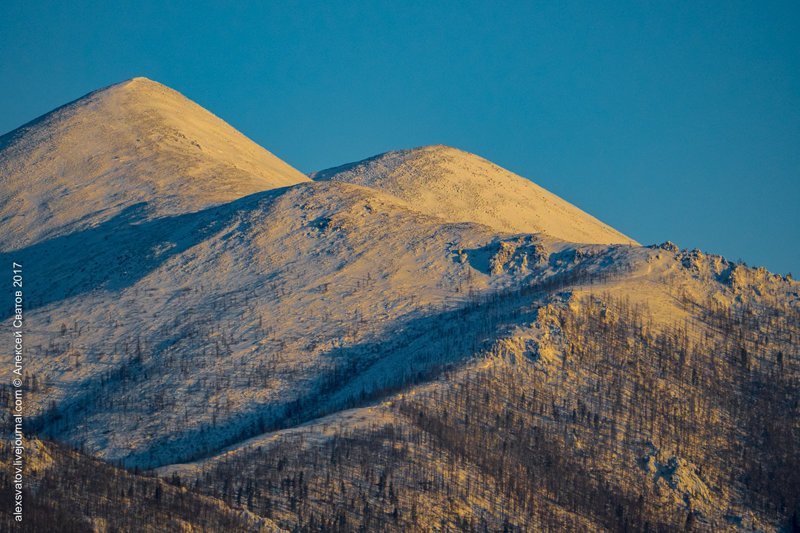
{"x":609,"y":422}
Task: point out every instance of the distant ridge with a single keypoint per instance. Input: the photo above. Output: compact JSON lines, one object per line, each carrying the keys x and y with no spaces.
{"x":462,"y":187}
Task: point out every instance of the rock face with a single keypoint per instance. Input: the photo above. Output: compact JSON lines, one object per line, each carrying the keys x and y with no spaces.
{"x":136,"y":143}
{"x":461,"y":187}
{"x":375,"y":349}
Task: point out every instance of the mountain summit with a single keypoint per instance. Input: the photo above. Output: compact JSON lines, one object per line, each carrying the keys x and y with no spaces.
{"x":461,"y":187}
{"x":131,"y":143}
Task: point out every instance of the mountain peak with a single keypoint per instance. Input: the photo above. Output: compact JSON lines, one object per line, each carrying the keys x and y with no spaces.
{"x":430,"y":150}
{"x":144,"y":86}
{"x":459,"y":186}
{"x":135,"y":142}
{"x":139,"y":81}
{"x":142,"y":79}
{"x":137,"y":85}
{"x":434,"y":148}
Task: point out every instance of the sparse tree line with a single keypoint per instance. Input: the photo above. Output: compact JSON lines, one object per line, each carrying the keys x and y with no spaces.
{"x":521,"y":447}
{"x":528,"y":444}
{"x":71,"y":492}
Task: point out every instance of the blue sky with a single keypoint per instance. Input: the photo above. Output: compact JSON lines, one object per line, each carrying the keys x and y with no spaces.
{"x":667,"y":120}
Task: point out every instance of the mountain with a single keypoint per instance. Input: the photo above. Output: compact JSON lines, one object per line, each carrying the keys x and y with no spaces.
{"x":338,"y":354}
{"x":461,"y":187}
{"x":660,"y":396}
{"x":136,"y":143}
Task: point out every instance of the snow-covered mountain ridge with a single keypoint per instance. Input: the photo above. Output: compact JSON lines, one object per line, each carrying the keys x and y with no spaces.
{"x":192,"y":302}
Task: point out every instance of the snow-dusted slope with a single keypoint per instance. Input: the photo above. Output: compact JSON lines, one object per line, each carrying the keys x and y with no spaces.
{"x":671,"y":315}
{"x":183,"y":332}
{"x":136,"y":142}
{"x":458,"y":186}
{"x":215,"y":311}
{"x":186,"y":292}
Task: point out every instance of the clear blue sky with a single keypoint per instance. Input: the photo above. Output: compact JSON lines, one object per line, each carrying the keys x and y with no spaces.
{"x":667,"y":120}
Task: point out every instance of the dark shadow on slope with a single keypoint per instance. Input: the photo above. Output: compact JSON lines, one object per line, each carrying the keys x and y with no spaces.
{"x":480,"y":258}
{"x":415,"y":351}
{"x":505,"y":254}
{"x":328,"y":173}
{"x":117,"y":253}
